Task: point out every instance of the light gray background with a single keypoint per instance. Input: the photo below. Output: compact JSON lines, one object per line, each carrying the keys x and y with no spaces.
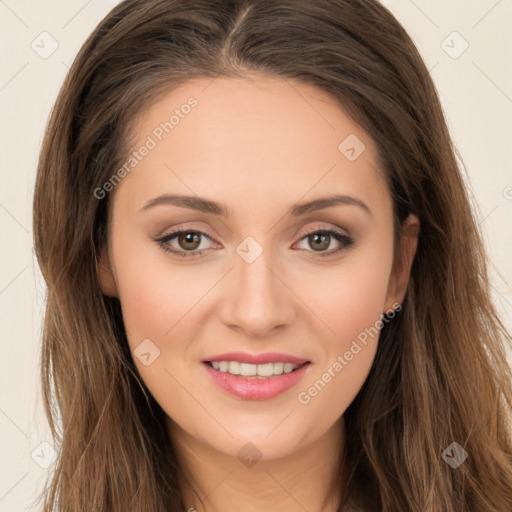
{"x":475,"y":89}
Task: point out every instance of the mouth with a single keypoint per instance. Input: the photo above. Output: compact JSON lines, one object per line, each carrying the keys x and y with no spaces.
{"x":248,"y":381}
{"x":255,"y":371}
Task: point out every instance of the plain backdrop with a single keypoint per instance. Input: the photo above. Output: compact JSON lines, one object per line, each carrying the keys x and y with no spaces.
{"x":467,"y":48}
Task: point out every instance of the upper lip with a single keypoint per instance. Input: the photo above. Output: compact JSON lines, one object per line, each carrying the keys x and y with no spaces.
{"x":267,"y":357}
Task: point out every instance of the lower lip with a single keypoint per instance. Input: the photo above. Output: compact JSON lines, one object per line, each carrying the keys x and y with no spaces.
{"x":251,"y":388}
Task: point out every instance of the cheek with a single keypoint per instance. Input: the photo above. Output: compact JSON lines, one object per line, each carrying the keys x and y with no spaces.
{"x":350,"y":297}
{"x":155,"y":295}
{"x":351,"y":307}
{"x":155,"y":302}
{"x":155,"y":307}
{"x":349,"y":352}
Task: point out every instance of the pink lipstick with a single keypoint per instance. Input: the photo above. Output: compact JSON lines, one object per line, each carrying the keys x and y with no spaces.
{"x":256,"y":376}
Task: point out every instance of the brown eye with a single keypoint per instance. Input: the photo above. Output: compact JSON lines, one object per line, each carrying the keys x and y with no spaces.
{"x":321,"y":239}
{"x":187,"y":242}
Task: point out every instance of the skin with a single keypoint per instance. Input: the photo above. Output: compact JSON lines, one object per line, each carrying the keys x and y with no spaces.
{"x":258,"y":145}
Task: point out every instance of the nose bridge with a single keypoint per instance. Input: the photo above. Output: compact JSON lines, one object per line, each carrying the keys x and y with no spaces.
{"x":259,"y":300}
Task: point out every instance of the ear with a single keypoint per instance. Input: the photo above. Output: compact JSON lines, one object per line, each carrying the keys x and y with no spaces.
{"x":400,"y":273}
{"x":105,"y":275}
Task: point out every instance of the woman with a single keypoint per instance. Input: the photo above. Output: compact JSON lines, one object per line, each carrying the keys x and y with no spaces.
{"x":327,"y":341}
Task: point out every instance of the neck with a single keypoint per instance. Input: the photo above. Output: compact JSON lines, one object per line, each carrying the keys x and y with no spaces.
{"x":303,"y":480}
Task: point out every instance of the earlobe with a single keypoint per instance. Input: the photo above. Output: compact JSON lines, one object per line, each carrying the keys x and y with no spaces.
{"x":105,"y":275}
{"x":402,"y":266}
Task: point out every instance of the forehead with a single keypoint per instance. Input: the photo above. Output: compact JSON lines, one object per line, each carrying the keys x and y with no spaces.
{"x":247,"y":109}
{"x":258,"y":136}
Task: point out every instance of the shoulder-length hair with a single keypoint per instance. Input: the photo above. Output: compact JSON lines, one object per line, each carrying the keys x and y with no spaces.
{"x":440,"y":374}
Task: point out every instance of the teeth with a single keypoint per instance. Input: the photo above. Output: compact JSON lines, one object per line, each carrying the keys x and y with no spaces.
{"x":288,"y":367}
{"x":234,"y":367}
{"x":246,"y":369}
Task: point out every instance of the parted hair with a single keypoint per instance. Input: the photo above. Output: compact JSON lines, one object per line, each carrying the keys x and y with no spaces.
{"x":440,"y":373}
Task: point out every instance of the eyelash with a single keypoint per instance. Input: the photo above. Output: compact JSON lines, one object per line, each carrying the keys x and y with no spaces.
{"x":346,"y":241}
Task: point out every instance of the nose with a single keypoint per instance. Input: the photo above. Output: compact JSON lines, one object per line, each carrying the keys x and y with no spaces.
{"x":258,"y":299}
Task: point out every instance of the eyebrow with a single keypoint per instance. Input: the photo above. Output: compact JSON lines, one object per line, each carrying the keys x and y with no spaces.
{"x":212,"y":207}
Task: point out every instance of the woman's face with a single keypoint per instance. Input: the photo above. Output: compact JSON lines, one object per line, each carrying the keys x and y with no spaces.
{"x":275,"y":272}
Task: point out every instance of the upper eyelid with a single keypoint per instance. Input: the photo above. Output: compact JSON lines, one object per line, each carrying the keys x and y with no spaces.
{"x":346,"y":241}
{"x":315,"y":229}
{"x":212,"y":238}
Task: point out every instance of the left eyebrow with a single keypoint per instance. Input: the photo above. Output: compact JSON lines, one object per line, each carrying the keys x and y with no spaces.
{"x":327,"y":202}
{"x":208,"y":206}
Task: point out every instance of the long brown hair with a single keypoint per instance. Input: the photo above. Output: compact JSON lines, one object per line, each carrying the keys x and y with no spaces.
{"x":440,"y":374}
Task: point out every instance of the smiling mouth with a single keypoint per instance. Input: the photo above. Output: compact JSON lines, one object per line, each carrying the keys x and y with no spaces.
{"x":261,"y":371}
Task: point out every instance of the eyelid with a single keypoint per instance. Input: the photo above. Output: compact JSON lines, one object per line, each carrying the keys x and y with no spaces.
{"x":324,"y":228}
{"x":185,"y":227}
{"x":190,"y":227}
{"x":343,"y":238}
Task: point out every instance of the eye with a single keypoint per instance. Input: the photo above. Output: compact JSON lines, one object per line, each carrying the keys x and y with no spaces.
{"x":189,"y":242}
{"x":320,"y":239}
{"x":188,"y":239}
